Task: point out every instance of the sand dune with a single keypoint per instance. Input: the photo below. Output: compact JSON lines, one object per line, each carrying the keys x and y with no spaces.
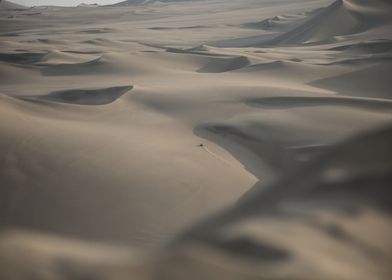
{"x":357,"y":82}
{"x":133,"y":125}
{"x":330,"y":216}
{"x":78,"y":68}
{"x":21,"y":58}
{"x":289,"y":101}
{"x":87,"y":96}
{"x":342,"y":18}
{"x":7,"y":5}
{"x":326,"y":210}
{"x":225,"y":64}
{"x":144,"y":2}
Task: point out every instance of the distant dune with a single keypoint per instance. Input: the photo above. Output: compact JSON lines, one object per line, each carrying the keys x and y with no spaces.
{"x":342,"y":18}
{"x":88,"y":5}
{"x":146,"y":2}
{"x":4,"y":4}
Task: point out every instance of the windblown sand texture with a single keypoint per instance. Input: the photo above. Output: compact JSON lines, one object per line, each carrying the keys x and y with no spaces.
{"x":133,"y":124}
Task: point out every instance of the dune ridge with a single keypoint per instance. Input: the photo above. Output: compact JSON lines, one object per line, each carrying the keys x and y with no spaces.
{"x":343,"y":17}
{"x":143,"y":2}
{"x":87,"y":96}
{"x":8,"y":5}
{"x":249,"y":240}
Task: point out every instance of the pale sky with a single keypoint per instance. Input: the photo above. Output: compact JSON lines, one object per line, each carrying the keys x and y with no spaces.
{"x":62,"y":2}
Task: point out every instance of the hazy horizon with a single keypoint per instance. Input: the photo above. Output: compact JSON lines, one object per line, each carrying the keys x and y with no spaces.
{"x":62,"y":2}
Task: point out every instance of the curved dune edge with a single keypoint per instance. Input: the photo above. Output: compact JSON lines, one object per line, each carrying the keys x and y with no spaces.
{"x":316,"y":205}
{"x":328,"y":215}
{"x":291,"y":102}
{"x":22,"y":57}
{"x":62,"y":69}
{"x":221,"y":65}
{"x":101,"y":96}
{"x":343,"y":17}
{"x":74,"y":65}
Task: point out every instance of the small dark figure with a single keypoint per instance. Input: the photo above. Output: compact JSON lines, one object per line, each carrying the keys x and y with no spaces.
{"x":201,"y":145}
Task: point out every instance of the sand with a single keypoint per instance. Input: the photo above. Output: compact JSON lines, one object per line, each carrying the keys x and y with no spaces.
{"x":131,"y":126}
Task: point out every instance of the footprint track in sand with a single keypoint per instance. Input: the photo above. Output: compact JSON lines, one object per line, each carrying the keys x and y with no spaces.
{"x":204,"y":147}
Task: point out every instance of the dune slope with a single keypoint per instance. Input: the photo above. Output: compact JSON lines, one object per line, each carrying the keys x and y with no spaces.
{"x":342,"y":18}
{"x":128,"y":126}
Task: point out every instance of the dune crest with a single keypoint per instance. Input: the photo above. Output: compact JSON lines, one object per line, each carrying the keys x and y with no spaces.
{"x":342,"y":18}
{"x":100,"y":96}
{"x":8,"y":5}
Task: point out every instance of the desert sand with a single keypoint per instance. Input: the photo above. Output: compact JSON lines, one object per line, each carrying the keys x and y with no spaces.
{"x":208,"y":139}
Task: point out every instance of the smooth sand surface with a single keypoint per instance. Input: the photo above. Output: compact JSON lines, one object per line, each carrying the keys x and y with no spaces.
{"x":130,"y":123}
